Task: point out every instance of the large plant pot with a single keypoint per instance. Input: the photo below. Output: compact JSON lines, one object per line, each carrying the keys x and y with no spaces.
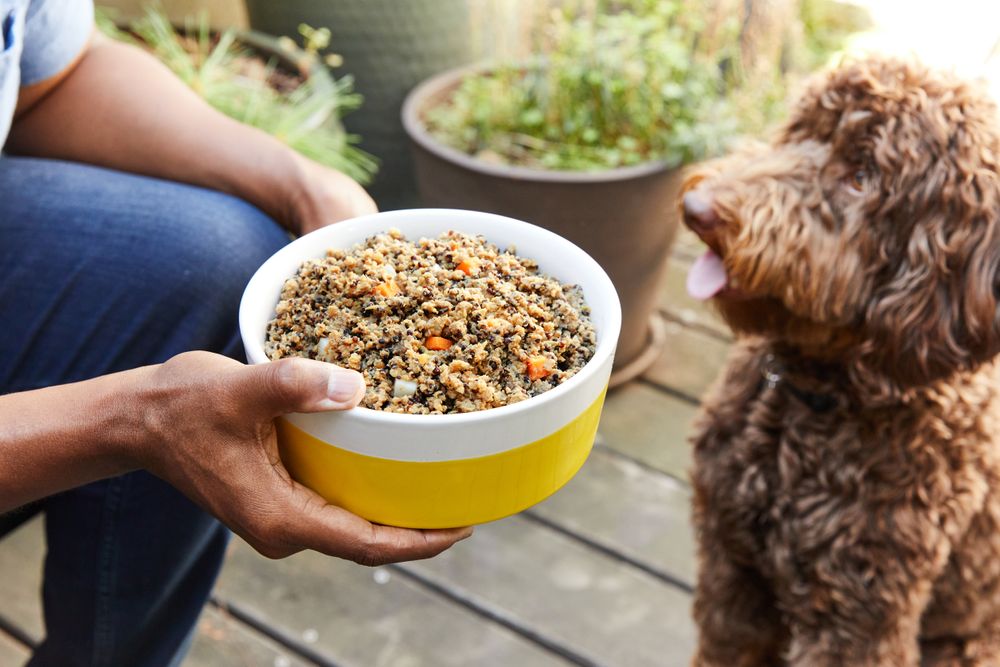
{"x":624,"y":218}
{"x":389,"y":46}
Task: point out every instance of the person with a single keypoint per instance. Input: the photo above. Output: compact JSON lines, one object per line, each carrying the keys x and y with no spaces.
{"x":131,"y":217}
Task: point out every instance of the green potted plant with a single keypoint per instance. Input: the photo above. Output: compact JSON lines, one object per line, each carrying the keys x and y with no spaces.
{"x":586,"y":138}
{"x":267,"y":82}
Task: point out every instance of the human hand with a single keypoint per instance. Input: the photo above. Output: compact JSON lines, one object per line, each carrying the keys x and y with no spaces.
{"x":213,"y":438}
{"x":322,"y":196}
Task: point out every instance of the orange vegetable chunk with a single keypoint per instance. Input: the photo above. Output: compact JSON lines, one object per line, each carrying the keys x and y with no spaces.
{"x":467,"y":267}
{"x":437,"y":343}
{"x":537,"y":368}
{"x":386,"y":289}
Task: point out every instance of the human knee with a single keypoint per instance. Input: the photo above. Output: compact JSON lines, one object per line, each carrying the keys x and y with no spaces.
{"x":218,"y":246}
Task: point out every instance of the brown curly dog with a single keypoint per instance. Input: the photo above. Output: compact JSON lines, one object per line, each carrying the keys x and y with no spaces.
{"x":847,"y":463}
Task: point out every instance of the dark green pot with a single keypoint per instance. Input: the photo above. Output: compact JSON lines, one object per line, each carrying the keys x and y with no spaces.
{"x":389,"y":46}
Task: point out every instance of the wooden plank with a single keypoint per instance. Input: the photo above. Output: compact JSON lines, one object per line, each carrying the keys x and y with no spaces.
{"x":677,"y":303}
{"x":690,"y":360}
{"x":11,"y":652}
{"x":649,"y":426}
{"x":358,"y":616}
{"x":223,"y":641}
{"x":605,"y":611}
{"x":628,"y":509}
{"x":21,"y":554}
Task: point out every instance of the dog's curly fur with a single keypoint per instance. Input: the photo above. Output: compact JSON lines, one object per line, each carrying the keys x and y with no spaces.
{"x":863,"y":254}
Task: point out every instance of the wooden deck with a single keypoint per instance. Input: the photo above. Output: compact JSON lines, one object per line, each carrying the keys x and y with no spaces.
{"x":599,"y":574}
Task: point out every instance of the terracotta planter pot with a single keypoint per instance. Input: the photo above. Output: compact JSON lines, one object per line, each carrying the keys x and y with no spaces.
{"x":624,"y":218}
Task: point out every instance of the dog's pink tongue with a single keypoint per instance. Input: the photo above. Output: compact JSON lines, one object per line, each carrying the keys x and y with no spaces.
{"x":706,"y":277}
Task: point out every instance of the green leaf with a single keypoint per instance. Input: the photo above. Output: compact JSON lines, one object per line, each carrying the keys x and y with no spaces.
{"x":532,"y":117}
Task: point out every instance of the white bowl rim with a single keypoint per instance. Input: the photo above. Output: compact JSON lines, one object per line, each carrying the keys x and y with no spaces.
{"x":606,"y":343}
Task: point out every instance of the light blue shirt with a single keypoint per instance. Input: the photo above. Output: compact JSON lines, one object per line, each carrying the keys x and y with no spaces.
{"x":38,"y":39}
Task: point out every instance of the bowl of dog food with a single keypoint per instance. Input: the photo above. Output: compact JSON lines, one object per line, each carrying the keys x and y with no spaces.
{"x":486,"y":345}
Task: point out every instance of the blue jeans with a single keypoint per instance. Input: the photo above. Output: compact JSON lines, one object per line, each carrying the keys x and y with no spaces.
{"x":102,"y":271}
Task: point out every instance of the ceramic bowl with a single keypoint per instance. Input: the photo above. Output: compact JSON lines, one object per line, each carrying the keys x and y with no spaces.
{"x":437,"y":471}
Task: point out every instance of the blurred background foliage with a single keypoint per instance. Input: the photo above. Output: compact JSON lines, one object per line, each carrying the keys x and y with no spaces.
{"x":570,"y":84}
{"x":609,"y":83}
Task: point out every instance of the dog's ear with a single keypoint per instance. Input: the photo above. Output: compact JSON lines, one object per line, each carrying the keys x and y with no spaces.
{"x":936,"y":309}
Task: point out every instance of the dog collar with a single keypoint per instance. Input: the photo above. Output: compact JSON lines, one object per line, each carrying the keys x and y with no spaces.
{"x":773,"y":374}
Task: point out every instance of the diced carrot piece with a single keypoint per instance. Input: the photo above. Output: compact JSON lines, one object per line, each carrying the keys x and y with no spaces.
{"x":389,"y":288}
{"x":537,"y":368}
{"x":437,"y":343}
{"x":467,"y":266}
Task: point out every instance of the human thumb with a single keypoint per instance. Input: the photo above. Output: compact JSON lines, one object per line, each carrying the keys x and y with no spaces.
{"x":305,"y":385}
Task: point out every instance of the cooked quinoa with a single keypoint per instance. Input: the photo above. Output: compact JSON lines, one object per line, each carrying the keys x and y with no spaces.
{"x":442,"y":325}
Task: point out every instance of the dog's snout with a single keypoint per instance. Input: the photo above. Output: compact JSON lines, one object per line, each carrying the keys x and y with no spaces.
{"x":699,"y":211}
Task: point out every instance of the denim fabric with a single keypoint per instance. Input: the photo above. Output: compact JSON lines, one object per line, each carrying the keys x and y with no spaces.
{"x":102,"y":271}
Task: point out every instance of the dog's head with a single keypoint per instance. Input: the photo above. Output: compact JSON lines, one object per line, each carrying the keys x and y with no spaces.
{"x":869,"y":230}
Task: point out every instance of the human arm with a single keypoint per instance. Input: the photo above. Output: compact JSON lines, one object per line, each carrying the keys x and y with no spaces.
{"x":117,"y":106}
{"x":203,"y":423}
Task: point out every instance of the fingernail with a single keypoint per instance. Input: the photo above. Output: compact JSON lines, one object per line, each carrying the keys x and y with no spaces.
{"x":466,"y":533}
{"x":343,"y":385}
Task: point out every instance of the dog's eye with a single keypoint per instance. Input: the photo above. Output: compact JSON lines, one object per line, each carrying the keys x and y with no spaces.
{"x":857,"y":181}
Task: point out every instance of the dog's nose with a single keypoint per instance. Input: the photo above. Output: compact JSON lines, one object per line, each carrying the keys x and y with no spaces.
{"x":699,"y":213}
